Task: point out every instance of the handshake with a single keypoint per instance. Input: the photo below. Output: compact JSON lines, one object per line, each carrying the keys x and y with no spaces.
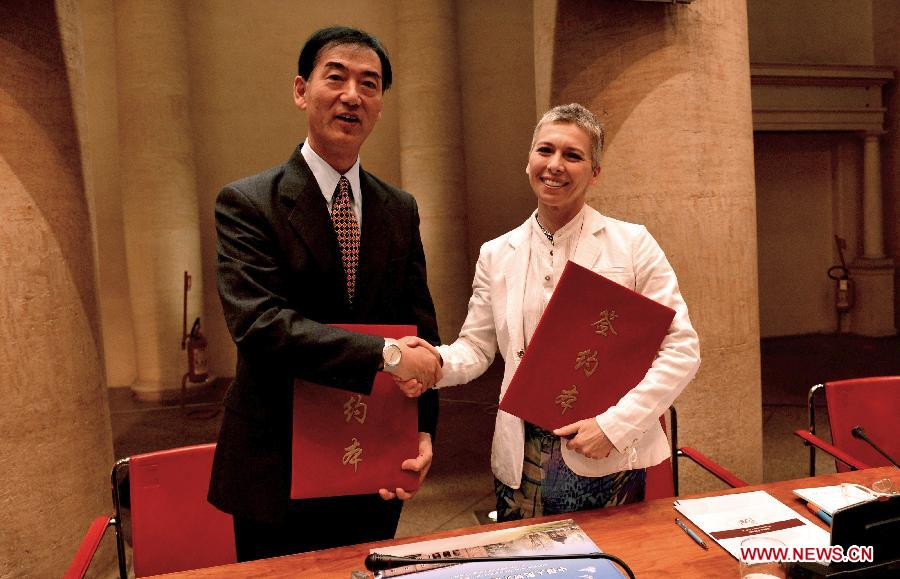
{"x":419,"y":368}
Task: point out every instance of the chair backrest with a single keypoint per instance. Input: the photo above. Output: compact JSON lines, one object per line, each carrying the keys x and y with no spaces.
{"x":874,"y":404}
{"x":173,"y":527}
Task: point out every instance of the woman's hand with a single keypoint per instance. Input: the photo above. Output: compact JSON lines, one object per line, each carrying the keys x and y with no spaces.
{"x":589,"y":439}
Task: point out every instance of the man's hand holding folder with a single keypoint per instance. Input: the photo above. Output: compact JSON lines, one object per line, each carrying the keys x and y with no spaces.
{"x":347,"y":443}
{"x":420,"y":464}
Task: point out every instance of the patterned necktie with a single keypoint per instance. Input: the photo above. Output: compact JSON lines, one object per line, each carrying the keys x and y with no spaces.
{"x":347,"y":231}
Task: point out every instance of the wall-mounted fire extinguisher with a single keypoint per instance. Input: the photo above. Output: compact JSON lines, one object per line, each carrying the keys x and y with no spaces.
{"x":195,"y":344}
{"x":843,"y":290}
{"x":198,"y":370}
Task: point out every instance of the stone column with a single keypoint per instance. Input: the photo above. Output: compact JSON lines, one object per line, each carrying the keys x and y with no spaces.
{"x":158,"y":180}
{"x":873,"y":273}
{"x":544,"y":25}
{"x":671,"y":82}
{"x":431,"y":152}
{"x":55,"y":439}
{"x":873,"y":232}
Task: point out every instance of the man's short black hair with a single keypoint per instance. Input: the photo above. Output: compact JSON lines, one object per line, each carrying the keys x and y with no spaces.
{"x":335,"y":36}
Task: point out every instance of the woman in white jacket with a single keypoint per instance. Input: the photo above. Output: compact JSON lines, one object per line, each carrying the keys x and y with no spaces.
{"x":600,"y":461}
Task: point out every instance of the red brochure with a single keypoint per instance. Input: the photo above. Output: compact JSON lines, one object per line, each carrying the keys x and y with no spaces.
{"x":594,"y":342}
{"x":346,"y":443}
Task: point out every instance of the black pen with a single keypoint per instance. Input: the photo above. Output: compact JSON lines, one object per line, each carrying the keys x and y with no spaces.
{"x":692,"y":534}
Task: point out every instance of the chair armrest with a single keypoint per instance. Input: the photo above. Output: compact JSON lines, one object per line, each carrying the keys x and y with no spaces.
{"x":712,"y":467}
{"x":87,"y":548}
{"x":834,"y":451}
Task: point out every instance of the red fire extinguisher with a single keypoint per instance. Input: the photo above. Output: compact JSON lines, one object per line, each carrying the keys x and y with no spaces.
{"x":196,"y":348}
{"x":843,"y":290}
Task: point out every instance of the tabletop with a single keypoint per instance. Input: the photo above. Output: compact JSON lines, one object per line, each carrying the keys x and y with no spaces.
{"x":644,"y":535}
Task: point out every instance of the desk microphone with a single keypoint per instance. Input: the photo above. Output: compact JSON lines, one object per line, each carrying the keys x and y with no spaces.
{"x":859,"y":433}
{"x":379,"y":562}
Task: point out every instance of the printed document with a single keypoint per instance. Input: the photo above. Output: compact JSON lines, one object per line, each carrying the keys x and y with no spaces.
{"x":729,"y":519}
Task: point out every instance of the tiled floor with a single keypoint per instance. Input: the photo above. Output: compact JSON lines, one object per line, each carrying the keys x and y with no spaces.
{"x":460,"y":482}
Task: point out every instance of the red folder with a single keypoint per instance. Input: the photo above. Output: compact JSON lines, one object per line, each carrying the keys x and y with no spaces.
{"x":595,"y":342}
{"x":346,"y":443}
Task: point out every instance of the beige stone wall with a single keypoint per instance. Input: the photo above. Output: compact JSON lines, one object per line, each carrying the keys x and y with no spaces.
{"x":55,"y":440}
{"x":811,"y":31}
{"x":672,"y":84}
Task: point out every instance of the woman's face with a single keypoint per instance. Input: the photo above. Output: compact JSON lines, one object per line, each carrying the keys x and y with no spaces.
{"x":559,"y":166}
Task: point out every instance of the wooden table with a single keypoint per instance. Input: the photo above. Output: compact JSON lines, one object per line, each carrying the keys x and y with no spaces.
{"x":644,"y":535}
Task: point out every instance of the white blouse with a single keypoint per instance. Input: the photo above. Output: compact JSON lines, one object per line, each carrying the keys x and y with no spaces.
{"x":545,"y":266}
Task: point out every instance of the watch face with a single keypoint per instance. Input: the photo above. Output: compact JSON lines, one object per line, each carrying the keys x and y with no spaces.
{"x":392,"y":355}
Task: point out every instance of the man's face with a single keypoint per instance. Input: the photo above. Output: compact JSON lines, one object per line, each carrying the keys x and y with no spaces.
{"x":342,"y":98}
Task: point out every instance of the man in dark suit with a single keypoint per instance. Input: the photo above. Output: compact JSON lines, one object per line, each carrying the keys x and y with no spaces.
{"x":313,"y":242}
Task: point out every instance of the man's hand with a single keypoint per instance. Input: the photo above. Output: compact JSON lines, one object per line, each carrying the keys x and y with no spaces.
{"x":416,"y":341}
{"x":589,"y":438}
{"x":419,"y":368}
{"x":420,"y":464}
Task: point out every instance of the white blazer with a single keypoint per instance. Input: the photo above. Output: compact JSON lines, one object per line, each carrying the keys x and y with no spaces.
{"x":623,"y":252}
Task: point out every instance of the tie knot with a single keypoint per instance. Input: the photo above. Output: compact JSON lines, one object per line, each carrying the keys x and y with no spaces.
{"x":343,"y":188}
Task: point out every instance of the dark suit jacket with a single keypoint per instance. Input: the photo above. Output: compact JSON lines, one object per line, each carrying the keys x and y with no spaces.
{"x":280,"y":280}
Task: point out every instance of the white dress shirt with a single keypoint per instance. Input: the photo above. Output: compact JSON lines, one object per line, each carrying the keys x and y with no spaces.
{"x":545,"y":266}
{"x":328,"y":178}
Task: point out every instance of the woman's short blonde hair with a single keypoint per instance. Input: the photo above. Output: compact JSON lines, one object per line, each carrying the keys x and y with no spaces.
{"x":579,"y":116}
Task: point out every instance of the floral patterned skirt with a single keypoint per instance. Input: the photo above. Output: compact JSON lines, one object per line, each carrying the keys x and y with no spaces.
{"x":549,"y":487}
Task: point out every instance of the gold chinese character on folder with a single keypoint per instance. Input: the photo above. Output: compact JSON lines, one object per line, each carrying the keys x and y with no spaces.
{"x":587,"y":361}
{"x":604,"y":325}
{"x":356,"y":409}
{"x":567,"y":398}
{"x":353,"y":454}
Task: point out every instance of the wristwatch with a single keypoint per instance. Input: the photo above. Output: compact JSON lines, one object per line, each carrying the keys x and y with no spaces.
{"x":391,"y":354}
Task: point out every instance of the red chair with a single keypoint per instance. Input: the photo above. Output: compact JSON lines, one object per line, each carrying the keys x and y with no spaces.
{"x":173,"y":527}
{"x":872,"y":404}
{"x":662,"y":479}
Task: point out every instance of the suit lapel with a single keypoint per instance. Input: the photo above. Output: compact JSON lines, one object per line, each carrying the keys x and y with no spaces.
{"x":309,"y":213}
{"x":514,"y":273}
{"x":589,"y":247}
{"x":374,"y":243}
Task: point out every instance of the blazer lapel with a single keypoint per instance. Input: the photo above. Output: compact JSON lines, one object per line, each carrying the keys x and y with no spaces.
{"x":373,"y":245}
{"x":309,"y":213}
{"x":514,"y":273}
{"x":589,"y":247}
